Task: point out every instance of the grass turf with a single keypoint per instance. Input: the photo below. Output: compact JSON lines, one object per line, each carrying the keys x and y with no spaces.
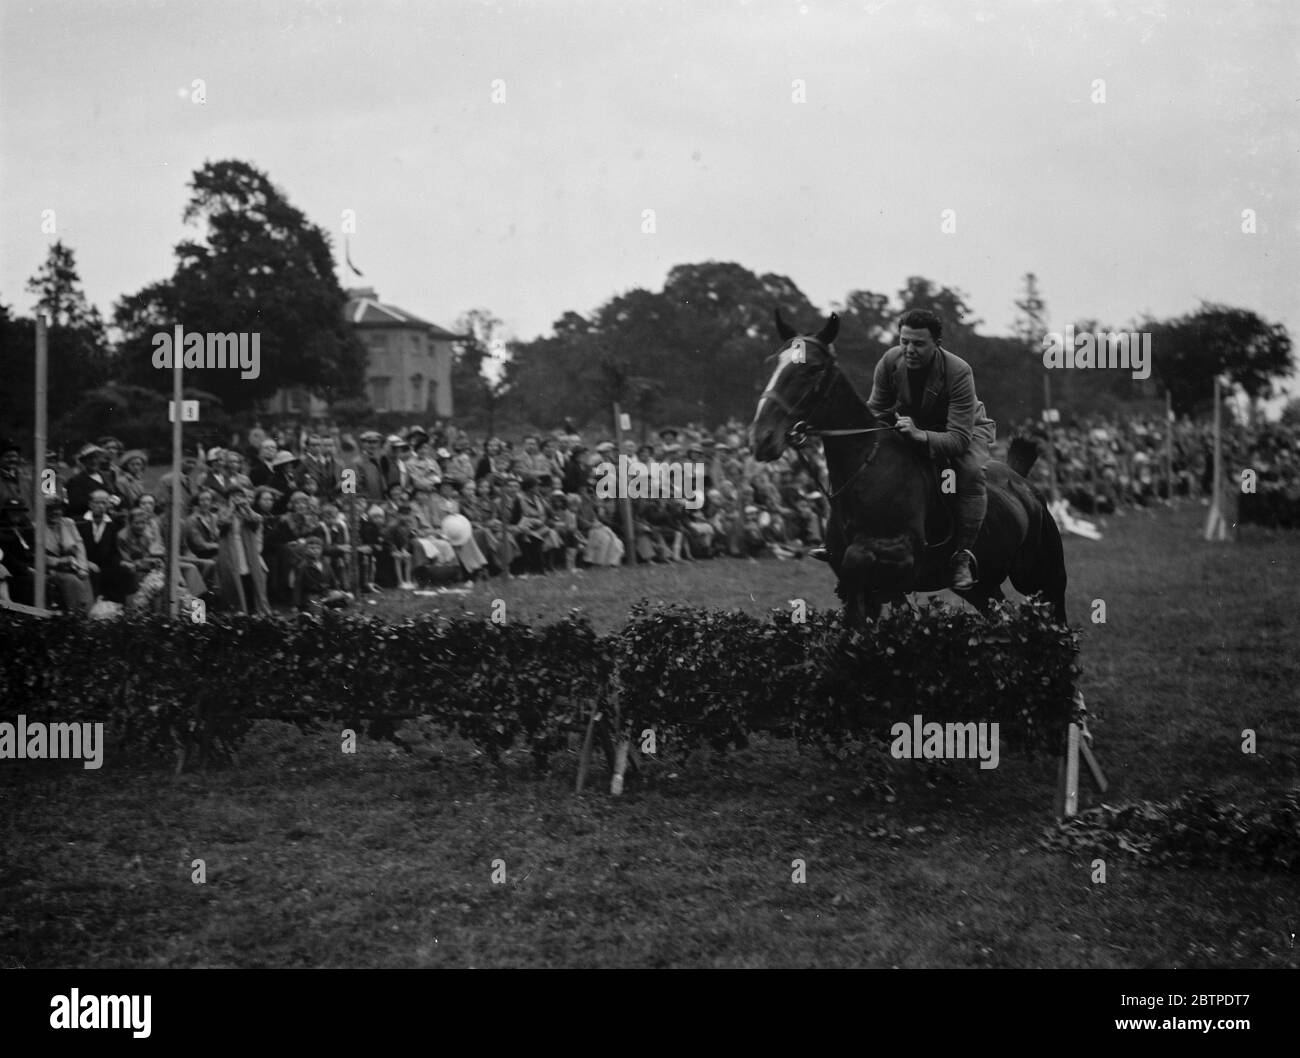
{"x":314,"y":858}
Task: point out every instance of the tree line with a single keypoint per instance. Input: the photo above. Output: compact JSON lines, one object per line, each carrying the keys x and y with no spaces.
{"x":696,"y":350}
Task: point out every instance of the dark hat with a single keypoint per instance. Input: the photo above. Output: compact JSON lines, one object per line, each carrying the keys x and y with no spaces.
{"x":10,"y":446}
{"x":12,"y":504}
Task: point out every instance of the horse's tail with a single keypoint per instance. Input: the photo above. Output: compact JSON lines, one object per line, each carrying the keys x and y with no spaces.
{"x":1022,"y":455}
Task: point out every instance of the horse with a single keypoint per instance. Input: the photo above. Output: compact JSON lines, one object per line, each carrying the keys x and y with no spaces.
{"x":886,"y":506}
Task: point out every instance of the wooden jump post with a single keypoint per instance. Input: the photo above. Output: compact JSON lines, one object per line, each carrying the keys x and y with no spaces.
{"x":1077,"y":740}
{"x":1216,"y":526}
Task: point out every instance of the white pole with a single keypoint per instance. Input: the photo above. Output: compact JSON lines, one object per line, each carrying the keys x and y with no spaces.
{"x":38,"y":458}
{"x":174,"y":547}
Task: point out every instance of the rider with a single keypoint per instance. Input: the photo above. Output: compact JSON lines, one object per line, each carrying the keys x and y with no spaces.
{"x":932,"y":393}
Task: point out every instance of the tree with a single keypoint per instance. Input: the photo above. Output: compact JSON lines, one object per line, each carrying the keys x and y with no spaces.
{"x":474,"y":394}
{"x":959,"y":322}
{"x":79,"y":357}
{"x":263,"y":268}
{"x":1217,"y":339}
{"x":59,"y":295}
{"x":1031,"y":317}
{"x":866,"y":334}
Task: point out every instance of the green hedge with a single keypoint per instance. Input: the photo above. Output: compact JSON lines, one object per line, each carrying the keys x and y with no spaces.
{"x":685,"y":673}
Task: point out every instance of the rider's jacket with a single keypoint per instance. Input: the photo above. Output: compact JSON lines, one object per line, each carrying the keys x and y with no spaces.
{"x":948,"y":410}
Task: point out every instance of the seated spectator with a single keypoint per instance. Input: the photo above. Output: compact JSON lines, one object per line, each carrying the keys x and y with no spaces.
{"x":315,"y":587}
{"x":111,"y":577}
{"x":18,"y":545}
{"x":373,"y":549}
{"x":337,"y":538}
{"x":596,"y":521}
{"x":201,"y":537}
{"x":66,"y":566}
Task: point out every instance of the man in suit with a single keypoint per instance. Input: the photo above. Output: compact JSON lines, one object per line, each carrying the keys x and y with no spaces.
{"x":375,"y":472}
{"x":320,"y":466}
{"x":930,"y":393}
{"x":110,"y":576}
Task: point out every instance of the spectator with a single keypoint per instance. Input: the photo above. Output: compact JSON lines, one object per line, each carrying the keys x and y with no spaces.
{"x":15,"y":483}
{"x":130,"y":477}
{"x":67,"y":567}
{"x":316,"y":587}
{"x":111,"y":577}
{"x":241,"y":573}
{"x":91,"y":476}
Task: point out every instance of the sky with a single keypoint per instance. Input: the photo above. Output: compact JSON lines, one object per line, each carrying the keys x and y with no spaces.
{"x":504,"y":155}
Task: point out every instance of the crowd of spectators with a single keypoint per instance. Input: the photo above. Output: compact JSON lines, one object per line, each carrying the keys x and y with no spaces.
{"x":305,"y":519}
{"x":1108,"y":466}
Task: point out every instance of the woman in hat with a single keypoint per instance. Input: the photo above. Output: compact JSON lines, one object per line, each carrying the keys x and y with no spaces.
{"x":130,"y":477}
{"x":66,"y":565}
{"x":284,"y":473}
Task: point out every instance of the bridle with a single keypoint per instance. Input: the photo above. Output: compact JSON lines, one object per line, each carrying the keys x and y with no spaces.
{"x":800,"y":431}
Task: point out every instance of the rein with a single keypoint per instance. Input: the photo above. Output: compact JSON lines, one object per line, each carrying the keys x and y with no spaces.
{"x":798,"y":434}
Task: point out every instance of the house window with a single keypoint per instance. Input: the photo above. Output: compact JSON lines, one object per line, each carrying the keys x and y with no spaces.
{"x":416,"y":402}
{"x":379,"y":394}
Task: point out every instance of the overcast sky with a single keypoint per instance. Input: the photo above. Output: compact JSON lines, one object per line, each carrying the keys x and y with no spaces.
{"x":534,"y":206}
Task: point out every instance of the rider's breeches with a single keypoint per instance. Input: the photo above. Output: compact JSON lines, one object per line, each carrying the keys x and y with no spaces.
{"x":972,"y":497}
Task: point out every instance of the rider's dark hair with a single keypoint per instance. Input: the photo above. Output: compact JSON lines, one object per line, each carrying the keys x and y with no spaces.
{"x":922,"y":319}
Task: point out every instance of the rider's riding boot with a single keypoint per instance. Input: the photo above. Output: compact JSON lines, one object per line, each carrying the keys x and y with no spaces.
{"x":970,"y":515}
{"x":820,"y":554}
{"x":962,"y":577}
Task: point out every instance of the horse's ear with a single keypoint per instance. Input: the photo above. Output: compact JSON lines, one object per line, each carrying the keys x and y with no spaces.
{"x":827,"y":334}
{"x":783,"y":329}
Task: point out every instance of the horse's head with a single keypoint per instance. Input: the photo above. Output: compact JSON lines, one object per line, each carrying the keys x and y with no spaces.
{"x":805,"y":368}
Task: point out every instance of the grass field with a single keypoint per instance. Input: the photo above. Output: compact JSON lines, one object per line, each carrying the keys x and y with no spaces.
{"x":314,"y":858}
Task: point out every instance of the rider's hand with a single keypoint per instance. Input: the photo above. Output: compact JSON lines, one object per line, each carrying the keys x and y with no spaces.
{"x":909,"y":429}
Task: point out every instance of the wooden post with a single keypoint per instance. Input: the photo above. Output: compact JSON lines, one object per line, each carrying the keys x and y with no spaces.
{"x":38,"y":459}
{"x":1216,"y":527}
{"x":629,"y":538}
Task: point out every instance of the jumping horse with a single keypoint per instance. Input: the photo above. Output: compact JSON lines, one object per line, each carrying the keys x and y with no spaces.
{"x":890,"y":531}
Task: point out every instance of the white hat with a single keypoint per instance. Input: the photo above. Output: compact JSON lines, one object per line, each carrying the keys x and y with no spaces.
{"x":457,"y":529}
